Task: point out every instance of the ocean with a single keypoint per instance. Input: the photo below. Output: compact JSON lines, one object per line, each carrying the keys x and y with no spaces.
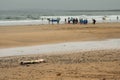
{"x":29,"y":17}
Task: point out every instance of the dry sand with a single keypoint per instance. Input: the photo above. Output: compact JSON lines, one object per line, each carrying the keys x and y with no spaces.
{"x":12,"y":36}
{"x":91,"y":65}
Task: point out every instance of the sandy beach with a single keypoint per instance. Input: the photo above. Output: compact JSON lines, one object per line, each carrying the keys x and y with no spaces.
{"x":14,"y":36}
{"x":90,"y":65}
{"x":86,"y":65}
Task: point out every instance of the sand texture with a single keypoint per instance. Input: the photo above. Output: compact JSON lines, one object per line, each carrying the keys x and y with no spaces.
{"x":87,"y":65}
{"x":61,"y":48}
{"x":92,"y":65}
{"x":12,"y":36}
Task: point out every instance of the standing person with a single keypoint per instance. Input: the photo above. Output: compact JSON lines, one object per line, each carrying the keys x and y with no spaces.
{"x":48,"y":20}
{"x":42,"y":20}
{"x":68,"y":20}
{"x":94,"y":21}
{"x":58,"y":20}
{"x":81,"y":21}
{"x":52,"y":20}
{"x":65,"y":20}
{"x":117,"y":18}
{"x":76,"y":21}
{"x":85,"y":21}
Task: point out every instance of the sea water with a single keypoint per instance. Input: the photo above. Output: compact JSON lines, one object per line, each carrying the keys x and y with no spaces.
{"x":36,"y":17}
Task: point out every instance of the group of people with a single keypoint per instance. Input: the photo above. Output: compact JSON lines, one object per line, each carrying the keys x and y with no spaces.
{"x":81,"y":21}
{"x":73,"y":20}
{"x":70,"y":20}
{"x":53,"y":20}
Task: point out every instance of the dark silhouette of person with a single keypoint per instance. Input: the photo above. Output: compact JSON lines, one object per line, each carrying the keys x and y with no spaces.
{"x":76,"y":21}
{"x":68,"y":20}
{"x":73,"y":21}
{"x":85,"y":21}
{"x":94,"y":21}
{"x":65,"y":20}
{"x":58,"y":20}
{"x":52,"y":20}
{"x":117,"y":18}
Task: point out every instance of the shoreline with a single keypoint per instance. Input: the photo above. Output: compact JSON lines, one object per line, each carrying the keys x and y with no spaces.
{"x":43,"y":20}
{"x":62,"y":48}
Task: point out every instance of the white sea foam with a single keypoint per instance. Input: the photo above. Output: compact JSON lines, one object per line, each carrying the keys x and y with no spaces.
{"x":69,"y":47}
{"x":43,"y":20}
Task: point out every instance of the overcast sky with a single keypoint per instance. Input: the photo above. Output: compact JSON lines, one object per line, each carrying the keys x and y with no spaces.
{"x":59,"y":4}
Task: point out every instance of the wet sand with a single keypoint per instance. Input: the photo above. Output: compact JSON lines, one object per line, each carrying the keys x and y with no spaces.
{"x":62,"y":48}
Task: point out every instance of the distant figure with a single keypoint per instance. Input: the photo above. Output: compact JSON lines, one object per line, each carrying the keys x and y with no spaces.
{"x":52,"y":20}
{"x":85,"y":21}
{"x":117,"y":18}
{"x":68,"y":20}
{"x":94,"y":21}
{"x":65,"y":20}
{"x":42,"y":20}
{"x":81,"y":21}
{"x":58,"y":20}
{"x":48,"y":20}
{"x":76,"y":21}
{"x":104,"y":18}
{"x":73,"y":20}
